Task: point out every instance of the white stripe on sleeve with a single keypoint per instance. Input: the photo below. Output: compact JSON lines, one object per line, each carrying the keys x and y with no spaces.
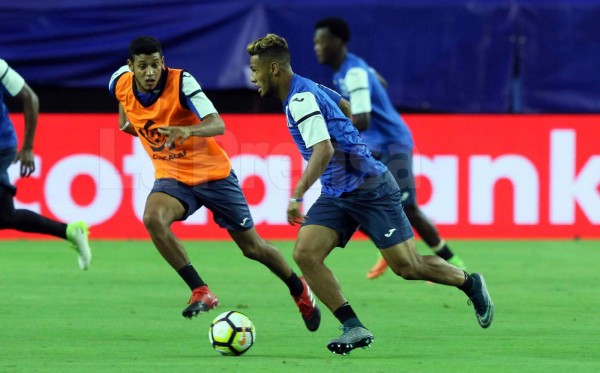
{"x":307,"y":115}
{"x":10,"y":79}
{"x":357,"y":84}
{"x":192,"y":90}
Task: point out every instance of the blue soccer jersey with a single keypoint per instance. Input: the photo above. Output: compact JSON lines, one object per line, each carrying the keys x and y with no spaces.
{"x":313,"y":115}
{"x":11,"y":83}
{"x":358,"y":83}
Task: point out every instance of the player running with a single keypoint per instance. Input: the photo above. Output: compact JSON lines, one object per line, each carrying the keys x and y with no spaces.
{"x":356,"y":190}
{"x":176,"y":124}
{"x":380,"y":126}
{"x":21,"y":219}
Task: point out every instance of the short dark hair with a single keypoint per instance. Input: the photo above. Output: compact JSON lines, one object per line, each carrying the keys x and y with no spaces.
{"x":273,"y":46}
{"x":336,"y":26}
{"x":144,"y":45}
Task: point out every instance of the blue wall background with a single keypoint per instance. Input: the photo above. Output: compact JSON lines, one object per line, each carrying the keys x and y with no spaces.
{"x":489,"y":56}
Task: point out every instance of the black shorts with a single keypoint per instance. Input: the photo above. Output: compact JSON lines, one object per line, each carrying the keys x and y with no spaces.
{"x":400,"y":163}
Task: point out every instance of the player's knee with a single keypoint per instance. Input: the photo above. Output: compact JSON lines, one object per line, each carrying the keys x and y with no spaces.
{"x":303,"y":257}
{"x":254,"y":250}
{"x":409,"y":270}
{"x":407,"y":273}
{"x":153,"y":222}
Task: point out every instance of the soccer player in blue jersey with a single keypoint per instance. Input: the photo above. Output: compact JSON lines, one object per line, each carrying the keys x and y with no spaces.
{"x":76,"y":233}
{"x":380,"y":126}
{"x":357,"y":190}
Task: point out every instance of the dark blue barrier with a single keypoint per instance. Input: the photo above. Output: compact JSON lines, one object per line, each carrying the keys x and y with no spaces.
{"x":438,"y":55}
{"x":560,"y":56}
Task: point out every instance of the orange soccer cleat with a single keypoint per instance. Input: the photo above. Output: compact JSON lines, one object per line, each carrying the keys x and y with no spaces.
{"x":202,"y":300}
{"x":378,"y":269}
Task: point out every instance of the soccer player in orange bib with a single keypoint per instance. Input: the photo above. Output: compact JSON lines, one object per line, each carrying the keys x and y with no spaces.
{"x":176,"y":124}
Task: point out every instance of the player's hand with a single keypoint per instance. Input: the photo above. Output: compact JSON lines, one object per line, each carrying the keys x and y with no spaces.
{"x":294,"y":215}
{"x":25,"y":157}
{"x":175,"y":135}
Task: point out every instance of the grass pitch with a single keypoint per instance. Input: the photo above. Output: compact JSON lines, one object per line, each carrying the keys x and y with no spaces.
{"x":123,"y":315}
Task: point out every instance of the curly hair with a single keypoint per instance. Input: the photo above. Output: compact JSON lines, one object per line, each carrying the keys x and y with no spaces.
{"x":144,"y":45}
{"x":270,"y":46}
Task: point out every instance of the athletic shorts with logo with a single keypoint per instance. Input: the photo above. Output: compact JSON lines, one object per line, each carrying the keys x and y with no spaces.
{"x":375,"y":206}
{"x":223,"y":197}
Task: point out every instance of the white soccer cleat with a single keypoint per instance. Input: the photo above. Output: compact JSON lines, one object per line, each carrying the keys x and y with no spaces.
{"x":77,"y":234}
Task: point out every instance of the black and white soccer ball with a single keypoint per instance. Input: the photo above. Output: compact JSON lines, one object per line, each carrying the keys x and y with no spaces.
{"x":231,"y":333}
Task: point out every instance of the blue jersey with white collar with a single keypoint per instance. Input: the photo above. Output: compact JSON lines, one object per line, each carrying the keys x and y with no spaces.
{"x":313,"y":115}
{"x":358,"y":83}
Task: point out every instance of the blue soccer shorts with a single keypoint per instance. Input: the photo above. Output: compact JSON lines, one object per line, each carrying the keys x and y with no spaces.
{"x":224,"y":198}
{"x":375,"y":206}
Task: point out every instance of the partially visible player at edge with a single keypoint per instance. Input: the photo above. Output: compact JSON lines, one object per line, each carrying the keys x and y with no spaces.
{"x":175,"y":122}
{"x":357,"y":190}
{"x":23,"y":220}
{"x":380,"y":125}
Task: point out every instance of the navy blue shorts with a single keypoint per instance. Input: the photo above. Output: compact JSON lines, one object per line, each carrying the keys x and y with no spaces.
{"x":375,"y":206}
{"x":7,"y":156}
{"x":223,"y":197}
{"x":399,"y":161}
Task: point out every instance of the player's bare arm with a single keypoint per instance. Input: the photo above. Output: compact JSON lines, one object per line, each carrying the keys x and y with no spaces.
{"x":124,"y":124}
{"x":344,"y":106}
{"x":31,"y":107}
{"x":361,"y":121}
{"x":211,"y":125}
{"x":320,"y":158}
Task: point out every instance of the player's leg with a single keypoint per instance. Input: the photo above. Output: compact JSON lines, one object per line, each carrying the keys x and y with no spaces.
{"x":314,"y":244}
{"x":160,"y":212}
{"x":170,"y":201}
{"x":28,"y":221}
{"x":430,"y":235}
{"x":388,"y":227}
{"x":327,"y":226}
{"x":255,"y":248}
{"x":406,"y":262}
{"x":230,"y":210}
{"x":400,"y":164}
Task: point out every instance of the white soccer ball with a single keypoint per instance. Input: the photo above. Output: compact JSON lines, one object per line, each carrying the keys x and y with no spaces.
{"x":231,"y":333}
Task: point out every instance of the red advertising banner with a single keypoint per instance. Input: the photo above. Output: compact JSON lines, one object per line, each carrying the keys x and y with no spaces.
{"x":478,"y":176}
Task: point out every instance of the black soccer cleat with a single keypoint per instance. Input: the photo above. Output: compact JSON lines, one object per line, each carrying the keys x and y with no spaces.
{"x":482,"y":302}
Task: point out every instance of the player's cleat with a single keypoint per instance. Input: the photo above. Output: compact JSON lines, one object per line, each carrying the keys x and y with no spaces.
{"x":482,"y":302}
{"x":378,"y":269}
{"x":77,"y":235}
{"x":353,"y":337}
{"x":457,"y":262}
{"x":201,"y":301}
{"x":307,"y":304}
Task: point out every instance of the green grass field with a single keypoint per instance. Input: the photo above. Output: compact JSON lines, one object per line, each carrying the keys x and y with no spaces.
{"x":123,"y":315}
